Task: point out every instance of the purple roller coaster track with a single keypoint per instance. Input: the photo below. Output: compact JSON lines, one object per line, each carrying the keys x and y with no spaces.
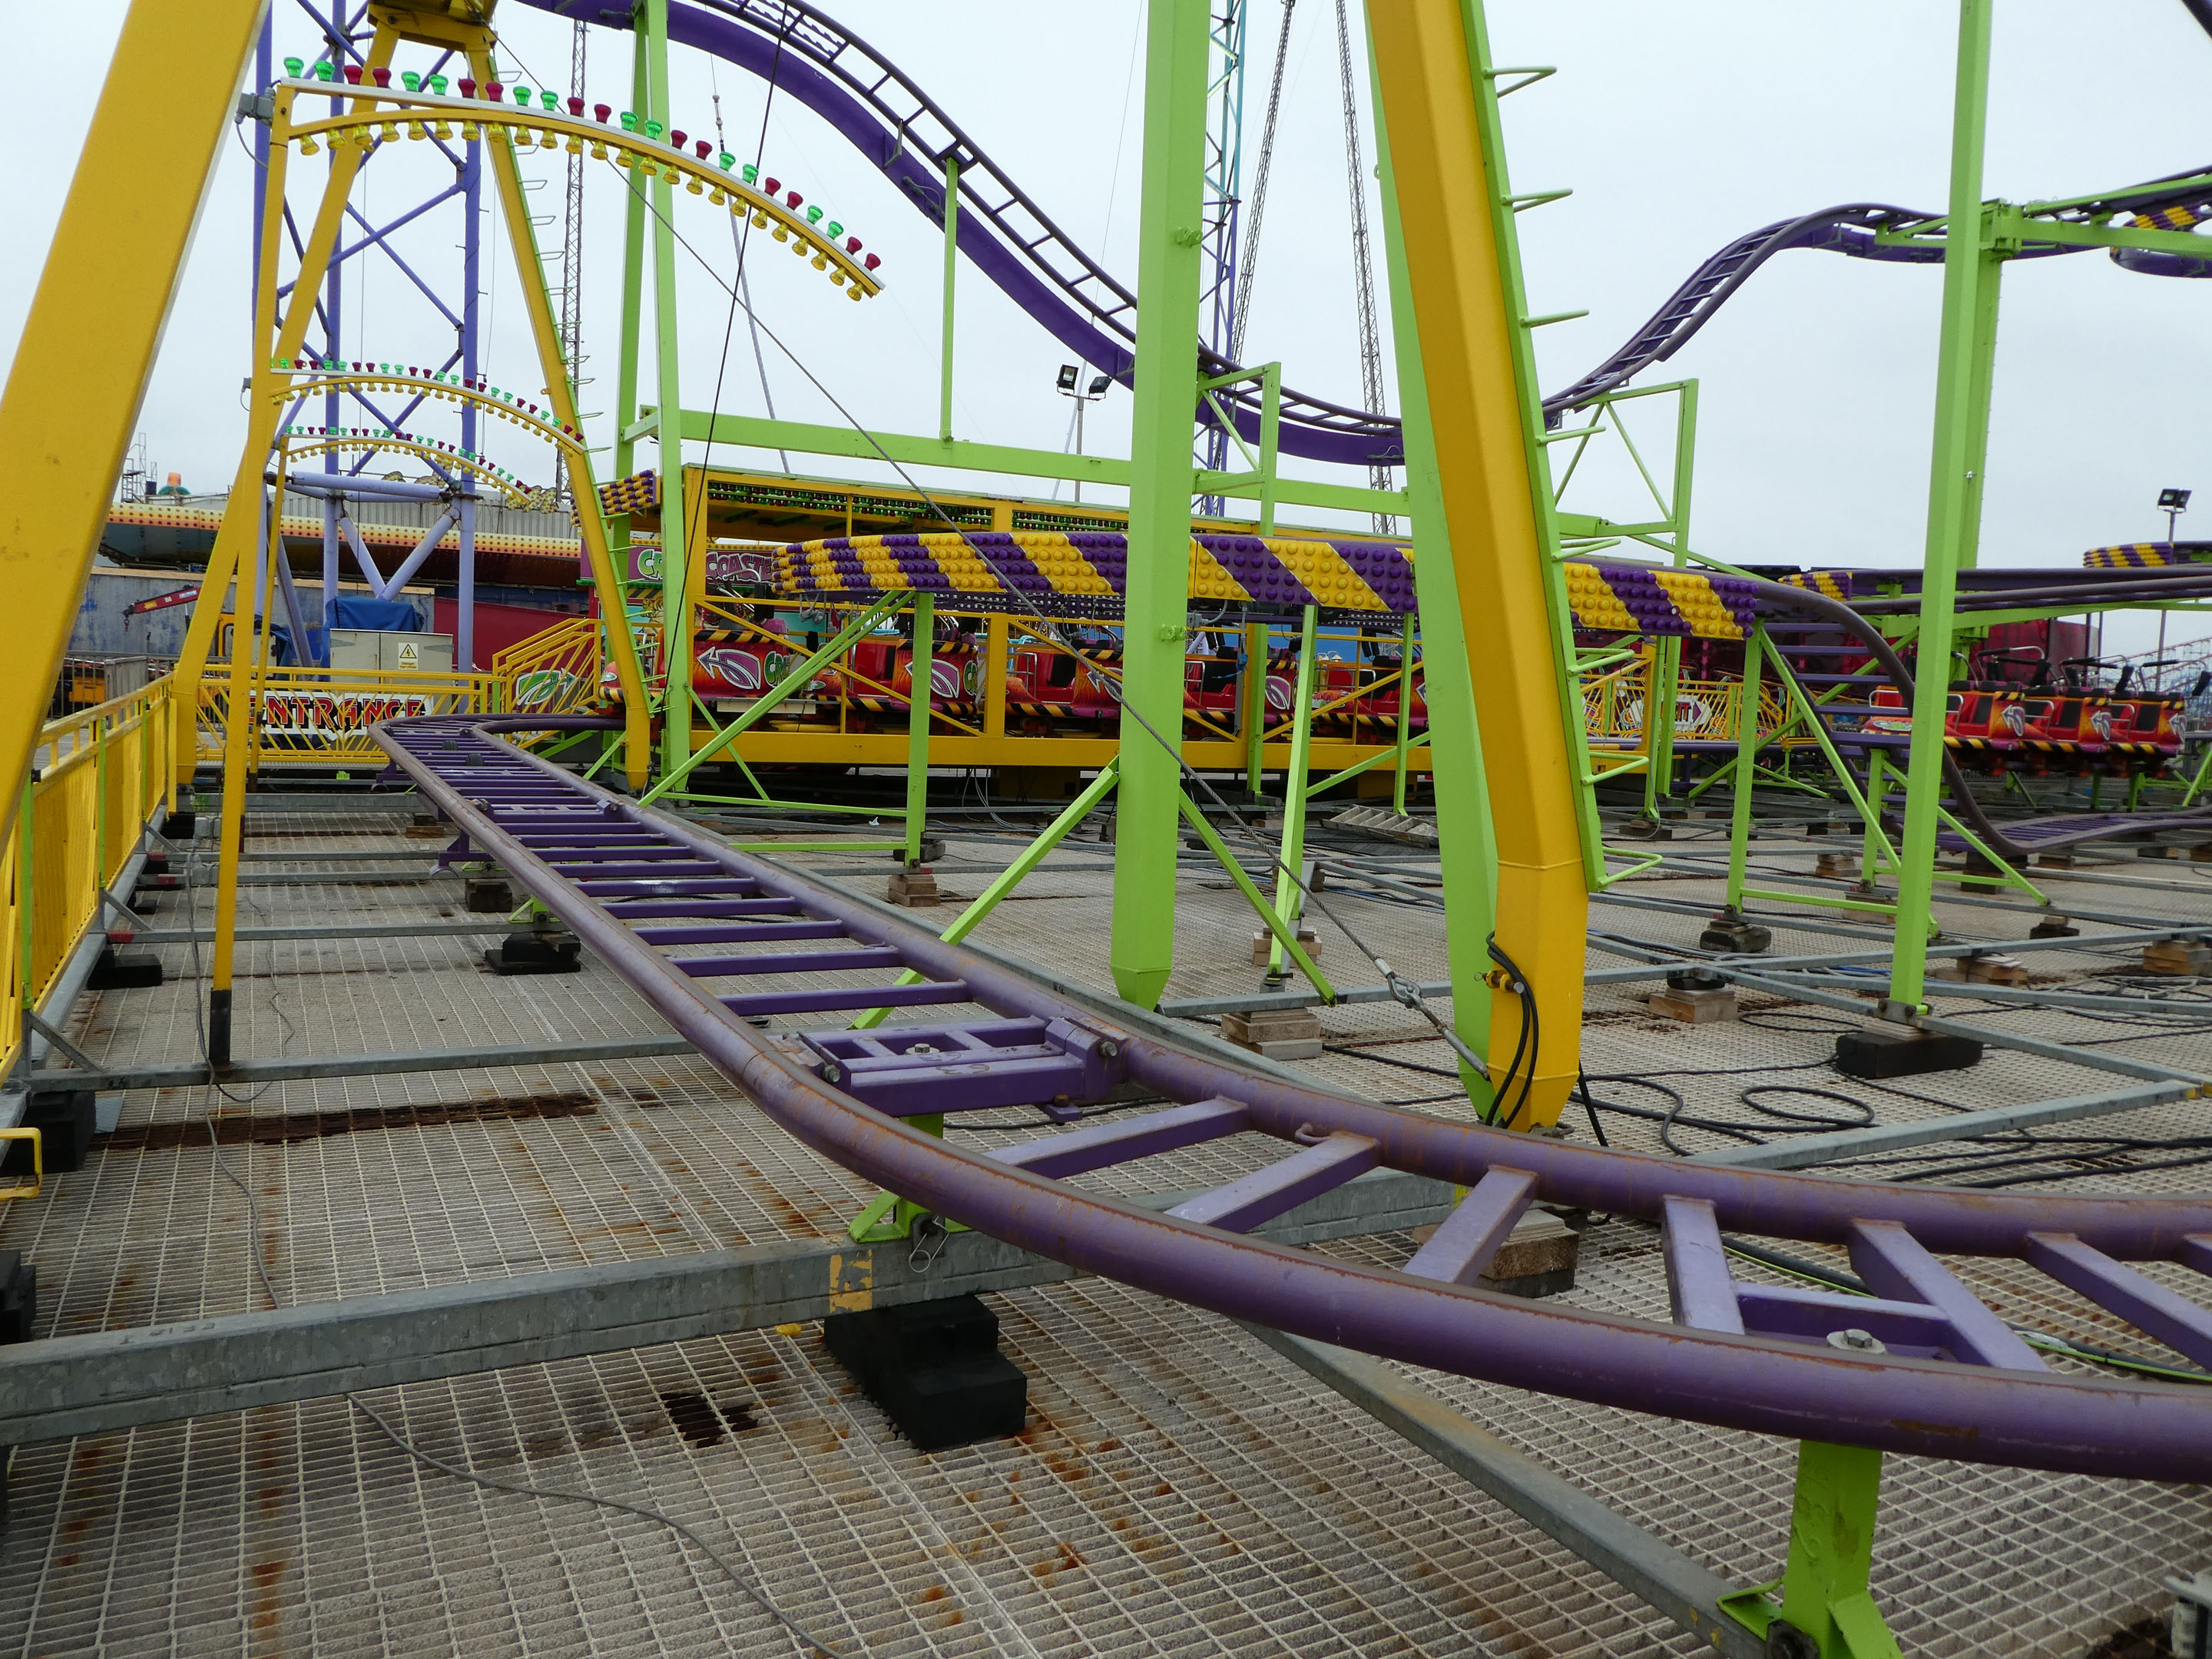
{"x":722,"y":943}
{"x":886,"y":116}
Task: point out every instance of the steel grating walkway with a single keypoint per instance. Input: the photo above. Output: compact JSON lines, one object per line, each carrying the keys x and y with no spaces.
{"x":1180,"y":1489}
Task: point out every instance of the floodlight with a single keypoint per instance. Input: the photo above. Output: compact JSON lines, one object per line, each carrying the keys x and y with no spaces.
{"x":1098,"y":384}
{"x":2173,"y":500}
{"x":1068,"y":372}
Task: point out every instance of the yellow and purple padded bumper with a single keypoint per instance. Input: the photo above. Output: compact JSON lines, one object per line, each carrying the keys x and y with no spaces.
{"x":1638,"y":598}
{"x":638,"y":493}
{"x":2131,"y":556}
{"x":1082,"y":574}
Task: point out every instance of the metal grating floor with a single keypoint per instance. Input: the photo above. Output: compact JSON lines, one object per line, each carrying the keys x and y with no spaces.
{"x":1179,"y":1490}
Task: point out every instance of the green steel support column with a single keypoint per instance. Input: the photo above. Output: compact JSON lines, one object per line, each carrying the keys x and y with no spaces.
{"x":2197,"y":779}
{"x":1252,"y":701}
{"x":1405,"y":642}
{"x":675,"y":564}
{"x":952,"y":271}
{"x":1953,"y":486}
{"x":632,"y":309}
{"x":1823,"y":1591}
{"x":1012,"y":876}
{"x":1204,"y":829}
{"x":1289,"y":894}
{"x":1467,"y":854}
{"x":795,"y":680}
{"x":1659,"y":699}
{"x":1746,"y":767}
{"x":1171,"y":231}
{"x":1877,"y":778}
{"x":1979,"y":378}
{"x":919,"y":694}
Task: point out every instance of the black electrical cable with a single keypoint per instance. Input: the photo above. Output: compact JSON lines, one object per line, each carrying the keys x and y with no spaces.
{"x":1597,"y":1127}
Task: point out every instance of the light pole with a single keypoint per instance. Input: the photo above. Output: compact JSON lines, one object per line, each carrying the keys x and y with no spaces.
{"x":2174,"y":503}
{"x":1070,"y":385}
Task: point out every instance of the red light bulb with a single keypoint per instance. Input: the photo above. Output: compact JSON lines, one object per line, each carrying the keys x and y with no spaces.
{"x":576,"y":107}
{"x":468,"y":88}
{"x":353,"y":74}
{"x":383,"y":76}
{"x":601,"y":113}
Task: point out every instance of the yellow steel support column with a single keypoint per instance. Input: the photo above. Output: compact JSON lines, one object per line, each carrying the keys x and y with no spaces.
{"x":1440,"y":115}
{"x":637,"y":716}
{"x":241,"y":711}
{"x":241,"y":518}
{"x":95,"y":320}
{"x":994,"y":675}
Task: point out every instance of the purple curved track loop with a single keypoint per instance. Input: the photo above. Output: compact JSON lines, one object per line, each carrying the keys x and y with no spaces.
{"x":1311,"y":427}
{"x":1971,"y":1413}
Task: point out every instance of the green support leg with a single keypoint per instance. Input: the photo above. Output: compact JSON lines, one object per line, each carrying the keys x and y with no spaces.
{"x":952,"y":271}
{"x":1012,"y":876}
{"x":1405,"y":713}
{"x":1746,"y":768}
{"x":1666,"y":700}
{"x":793,"y":681}
{"x":920,"y":694}
{"x":2197,"y":781}
{"x":1824,"y":1601}
{"x":1875,"y":853}
{"x":1169,"y":237}
{"x":1289,"y":894}
{"x":1286,"y":939}
{"x":1954,"y":491}
{"x":626,"y":361}
{"x":1252,"y":702}
{"x":676,"y":642}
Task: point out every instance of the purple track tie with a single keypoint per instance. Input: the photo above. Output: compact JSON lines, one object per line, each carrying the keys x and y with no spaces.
{"x":1086,"y":1150}
{"x":742,"y":933}
{"x":1699,"y":1288}
{"x":789,"y":962}
{"x":833,"y":1001}
{"x":1783,"y":1310}
{"x":2145,"y":1303}
{"x":1463,"y":1246}
{"x":1893,"y":1262}
{"x":1247,"y":1201}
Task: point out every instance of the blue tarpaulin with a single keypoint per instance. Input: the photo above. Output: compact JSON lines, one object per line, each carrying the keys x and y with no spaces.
{"x":354,"y":611}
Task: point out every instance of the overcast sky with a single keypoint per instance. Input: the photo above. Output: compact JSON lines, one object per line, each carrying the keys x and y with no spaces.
{"x":1678,"y":126}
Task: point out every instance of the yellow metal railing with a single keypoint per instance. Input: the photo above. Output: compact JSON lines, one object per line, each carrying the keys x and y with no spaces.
{"x":555,"y":671}
{"x":97,"y":775}
{"x":1705,"y":711}
{"x":322,"y":717}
